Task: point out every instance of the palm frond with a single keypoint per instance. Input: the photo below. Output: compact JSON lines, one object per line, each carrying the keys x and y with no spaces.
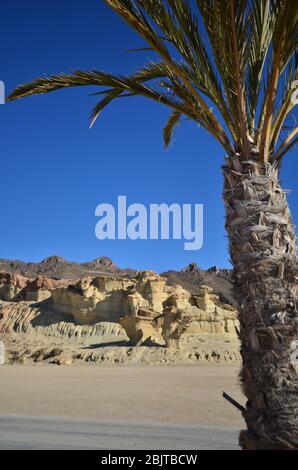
{"x":169,"y":127}
{"x":226,"y":65}
{"x":226,"y":24}
{"x":286,"y":103}
{"x":193,"y":49}
{"x":261,"y":22}
{"x":286,"y":143}
{"x":284,"y":14}
{"x":110,"y":96}
{"x":160,"y":17}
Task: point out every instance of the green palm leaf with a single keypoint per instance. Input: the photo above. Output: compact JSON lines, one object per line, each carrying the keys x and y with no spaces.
{"x":228,"y":66}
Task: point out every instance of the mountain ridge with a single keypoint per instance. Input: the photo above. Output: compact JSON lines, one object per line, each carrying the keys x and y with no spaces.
{"x":56,"y":267}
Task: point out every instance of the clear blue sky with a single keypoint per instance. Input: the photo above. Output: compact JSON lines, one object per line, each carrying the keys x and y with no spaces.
{"x":55,"y":170}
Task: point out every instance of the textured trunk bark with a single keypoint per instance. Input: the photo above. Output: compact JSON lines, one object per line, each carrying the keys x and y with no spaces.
{"x":263,"y":253}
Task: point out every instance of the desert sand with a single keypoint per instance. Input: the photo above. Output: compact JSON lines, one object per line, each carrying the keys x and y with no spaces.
{"x":160,"y":394}
{"x":78,"y":376}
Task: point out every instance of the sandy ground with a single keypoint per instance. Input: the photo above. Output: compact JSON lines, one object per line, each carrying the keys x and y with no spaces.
{"x":105,"y":349}
{"x":182,"y":395}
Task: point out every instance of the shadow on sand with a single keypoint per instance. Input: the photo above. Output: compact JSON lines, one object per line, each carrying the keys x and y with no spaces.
{"x":122,"y":344}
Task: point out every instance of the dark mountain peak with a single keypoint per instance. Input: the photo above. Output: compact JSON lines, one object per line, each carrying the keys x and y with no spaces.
{"x":192,"y":267}
{"x":102,"y":261}
{"x":192,"y":278}
{"x":214,"y":269}
{"x":57,"y":267}
{"x":227,"y":273}
{"x":54,"y":260}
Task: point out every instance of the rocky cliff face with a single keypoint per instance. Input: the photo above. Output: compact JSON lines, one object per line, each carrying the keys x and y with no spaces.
{"x":33,"y":333}
{"x":58,"y":268}
{"x":14,"y":287}
{"x":41,"y":311}
{"x":92,"y":300}
{"x":107,"y":298}
{"x":11,"y":285}
{"x":192,"y":277}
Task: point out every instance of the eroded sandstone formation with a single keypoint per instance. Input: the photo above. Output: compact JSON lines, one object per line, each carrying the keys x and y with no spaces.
{"x":108,"y":298}
{"x":14,"y":287}
{"x":141,"y":328}
{"x":181,"y":313}
{"x":174,"y":324}
{"x":110,"y":310}
{"x":92,"y":300}
{"x":11,"y":285}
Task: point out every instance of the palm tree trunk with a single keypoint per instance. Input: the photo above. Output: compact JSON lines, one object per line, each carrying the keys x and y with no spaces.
{"x":263,"y":253}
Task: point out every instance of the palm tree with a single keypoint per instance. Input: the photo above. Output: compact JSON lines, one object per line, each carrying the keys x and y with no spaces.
{"x":230,"y":67}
